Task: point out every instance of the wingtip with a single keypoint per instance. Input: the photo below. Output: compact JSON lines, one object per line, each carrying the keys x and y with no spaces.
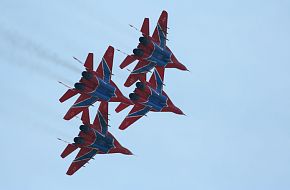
{"x":69,"y":173}
{"x":123,"y":127}
{"x":66,"y":117}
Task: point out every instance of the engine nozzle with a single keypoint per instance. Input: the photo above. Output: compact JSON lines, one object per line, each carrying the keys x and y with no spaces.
{"x":87,"y":75}
{"x":84,"y":128}
{"x":140,"y":85}
{"x":138,"y":52}
{"x":134,"y":96}
{"x":79,"y":86}
{"x":79,"y":140}
{"x":144,"y":41}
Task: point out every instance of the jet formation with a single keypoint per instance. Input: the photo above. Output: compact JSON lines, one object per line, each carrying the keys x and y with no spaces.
{"x":153,"y":57}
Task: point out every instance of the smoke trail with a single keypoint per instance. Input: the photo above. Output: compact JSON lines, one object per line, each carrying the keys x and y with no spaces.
{"x":38,"y":69}
{"x":39,"y":51}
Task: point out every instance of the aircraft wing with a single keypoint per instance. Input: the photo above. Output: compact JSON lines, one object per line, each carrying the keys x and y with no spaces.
{"x":119,"y":97}
{"x":80,"y":104}
{"x":104,"y":69}
{"x":69,"y":93}
{"x":69,"y":149}
{"x":139,"y":72}
{"x":160,"y":32}
{"x":121,"y":107}
{"x":84,"y":155}
{"x":136,"y":113}
{"x":101,"y":119}
{"x":175,"y":63}
{"x":128,"y":60}
{"x":157,"y":78}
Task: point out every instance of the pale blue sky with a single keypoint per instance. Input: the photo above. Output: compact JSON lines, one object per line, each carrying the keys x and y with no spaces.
{"x":237,"y":95}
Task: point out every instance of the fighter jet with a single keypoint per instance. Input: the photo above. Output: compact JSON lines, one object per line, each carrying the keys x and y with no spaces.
{"x":151,"y":52}
{"x":94,"y":86}
{"x":93,"y":139}
{"x":148,"y":96}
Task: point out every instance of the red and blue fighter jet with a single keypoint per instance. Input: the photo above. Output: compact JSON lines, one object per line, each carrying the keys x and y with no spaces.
{"x":94,"y":86}
{"x":93,"y":139}
{"x":151,"y":52}
{"x":148,"y":96}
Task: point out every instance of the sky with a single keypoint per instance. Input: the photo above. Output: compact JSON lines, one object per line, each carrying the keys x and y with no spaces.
{"x":236,"y":134}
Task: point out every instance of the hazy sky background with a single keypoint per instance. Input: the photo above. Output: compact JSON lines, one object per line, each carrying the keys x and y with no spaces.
{"x":236,"y":134}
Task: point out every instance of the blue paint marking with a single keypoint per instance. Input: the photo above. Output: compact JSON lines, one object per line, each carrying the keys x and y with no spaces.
{"x":145,"y":69}
{"x":156,"y":101}
{"x":159,"y":82}
{"x":103,"y":123}
{"x":161,"y":35}
{"x":106,"y":71}
{"x":103,"y":143}
{"x":140,"y":112}
{"x":99,"y":93}
{"x":86,"y":102}
{"x":161,"y":56}
{"x":87,"y":156}
{"x":103,"y":91}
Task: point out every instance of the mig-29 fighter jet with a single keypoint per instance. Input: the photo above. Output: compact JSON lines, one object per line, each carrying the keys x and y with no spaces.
{"x":151,"y":52}
{"x":93,"y":139}
{"x":148,"y":96}
{"x":94,"y":86}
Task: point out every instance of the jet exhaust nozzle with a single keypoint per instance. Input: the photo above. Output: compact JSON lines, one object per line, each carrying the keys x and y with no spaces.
{"x":79,"y":86}
{"x":138,"y":52}
{"x":144,"y":41}
{"x":84,"y":128}
{"x":140,"y":85}
{"x":133,"y":96}
{"x":79,"y":140}
{"x":87,"y":75}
